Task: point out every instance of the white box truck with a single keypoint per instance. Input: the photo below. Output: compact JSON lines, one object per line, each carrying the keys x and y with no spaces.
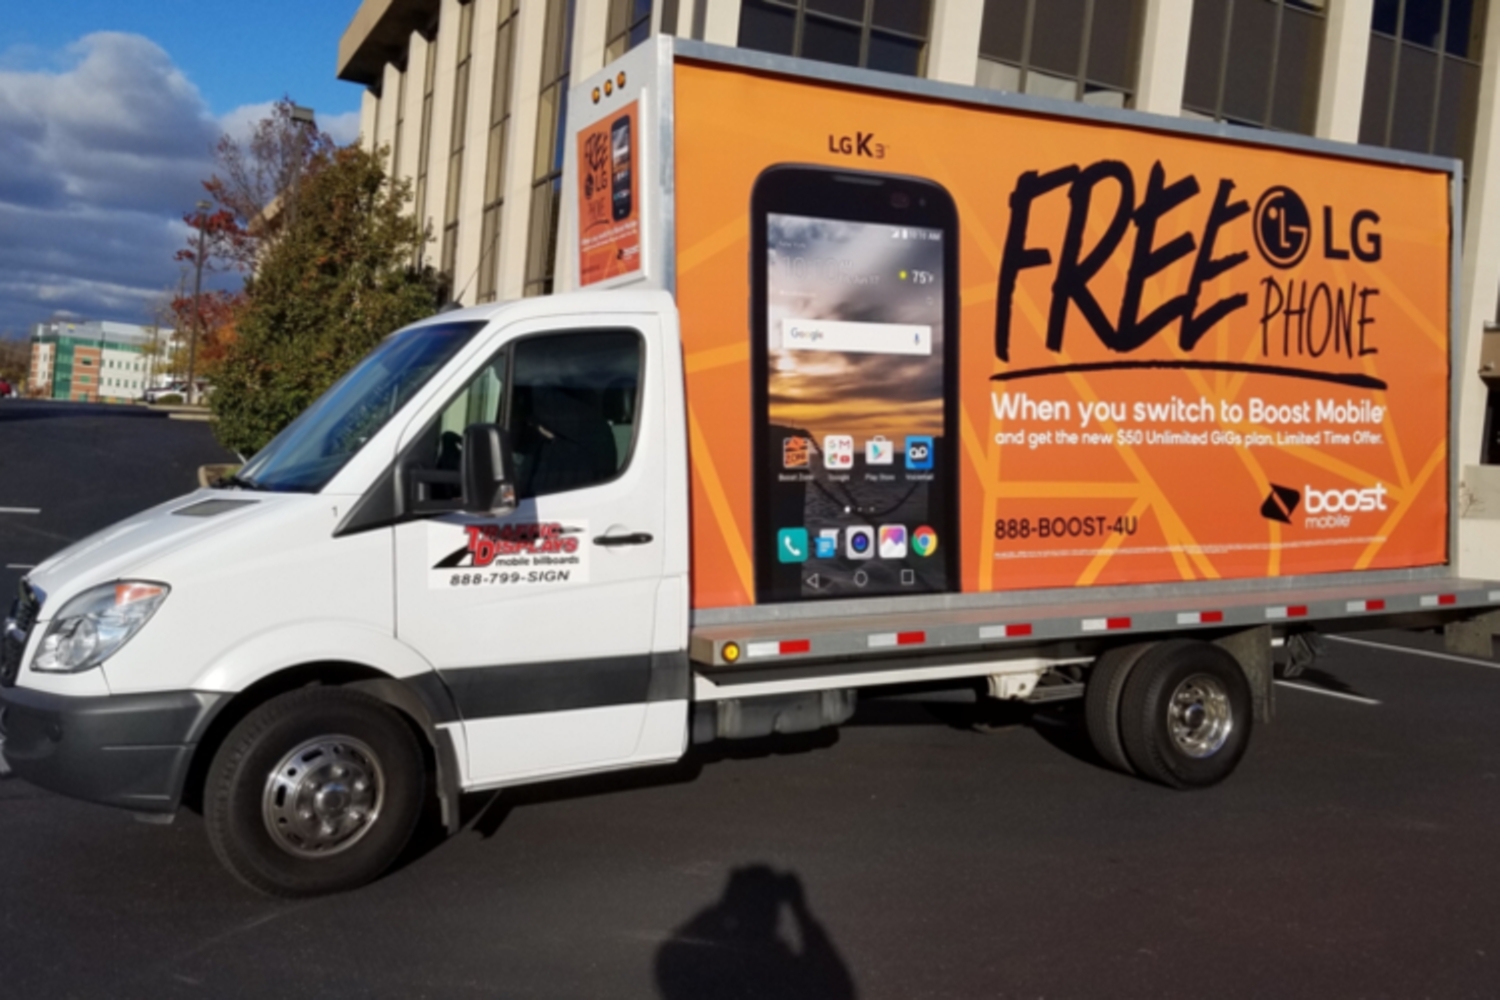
{"x":858,"y":382}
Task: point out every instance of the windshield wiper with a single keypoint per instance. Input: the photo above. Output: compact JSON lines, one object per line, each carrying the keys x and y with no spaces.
{"x":233,"y":480}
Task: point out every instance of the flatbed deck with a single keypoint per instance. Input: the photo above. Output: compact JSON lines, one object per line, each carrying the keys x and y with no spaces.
{"x":780,"y":642}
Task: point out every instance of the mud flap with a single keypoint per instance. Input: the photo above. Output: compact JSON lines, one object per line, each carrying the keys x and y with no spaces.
{"x":1252,"y":648}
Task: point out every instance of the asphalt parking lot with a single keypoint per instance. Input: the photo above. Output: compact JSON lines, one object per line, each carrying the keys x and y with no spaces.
{"x":69,"y":469}
{"x":912,"y":854}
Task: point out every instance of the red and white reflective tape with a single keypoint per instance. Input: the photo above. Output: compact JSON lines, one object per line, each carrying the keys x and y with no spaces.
{"x":1199,"y":617}
{"x":1104,"y":624}
{"x":1355,"y":607}
{"x":1438,"y":600}
{"x":786,"y":647}
{"x":1012,"y":631}
{"x":884,"y":640}
{"x":1287,"y":611}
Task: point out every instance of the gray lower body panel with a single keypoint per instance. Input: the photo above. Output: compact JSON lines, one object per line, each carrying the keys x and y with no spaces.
{"x":130,"y":751}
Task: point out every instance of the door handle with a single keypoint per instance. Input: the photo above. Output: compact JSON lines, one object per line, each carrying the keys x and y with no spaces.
{"x":634,"y":538}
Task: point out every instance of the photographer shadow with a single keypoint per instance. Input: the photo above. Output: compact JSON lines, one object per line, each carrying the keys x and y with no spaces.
{"x":736,"y":948}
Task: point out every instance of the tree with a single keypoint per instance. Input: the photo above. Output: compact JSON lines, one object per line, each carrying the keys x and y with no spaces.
{"x":336,"y":280}
{"x":15,"y":358}
{"x":265,"y":173}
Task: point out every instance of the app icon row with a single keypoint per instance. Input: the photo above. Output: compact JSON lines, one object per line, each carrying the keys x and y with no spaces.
{"x":890,"y":541}
{"x":838,"y":452}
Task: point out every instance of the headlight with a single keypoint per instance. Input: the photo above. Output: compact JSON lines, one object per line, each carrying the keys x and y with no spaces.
{"x":94,"y":625}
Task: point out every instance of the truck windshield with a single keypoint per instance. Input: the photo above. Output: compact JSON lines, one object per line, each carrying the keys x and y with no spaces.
{"x":313,"y":448}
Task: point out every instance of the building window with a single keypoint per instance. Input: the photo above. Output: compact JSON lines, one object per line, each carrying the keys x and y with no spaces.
{"x":1256,"y":62}
{"x":494,"y":162}
{"x":400,"y":125}
{"x":1422,"y":78}
{"x":629,"y":26}
{"x":546,"y":170}
{"x":456,"y":141}
{"x":424,"y":145}
{"x":1075,"y":50}
{"x":888,"y":35}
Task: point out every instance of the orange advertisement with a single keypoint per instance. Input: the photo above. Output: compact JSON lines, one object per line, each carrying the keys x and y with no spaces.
{"x":609,"y":226}
{"x":1099,"y":355}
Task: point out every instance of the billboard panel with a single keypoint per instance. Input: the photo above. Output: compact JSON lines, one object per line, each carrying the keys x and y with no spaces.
{"x":936,"y":347}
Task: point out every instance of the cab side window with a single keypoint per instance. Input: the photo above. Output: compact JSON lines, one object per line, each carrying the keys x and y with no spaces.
{"x":573,"y":412}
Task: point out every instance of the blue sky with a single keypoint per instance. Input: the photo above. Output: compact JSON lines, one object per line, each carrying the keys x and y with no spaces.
{"x":109,"y":112}
{"x":235,"y":53}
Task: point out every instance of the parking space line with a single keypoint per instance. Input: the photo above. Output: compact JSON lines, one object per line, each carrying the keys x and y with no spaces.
{"x":1472,"y":661}
{"x":1332,"y":694}
{"x":20,"y":565}
{"x":20,"y":510}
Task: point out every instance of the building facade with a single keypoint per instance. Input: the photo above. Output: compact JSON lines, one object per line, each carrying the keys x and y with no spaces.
{"x":468,"y":98}
{"x":96,"y":361}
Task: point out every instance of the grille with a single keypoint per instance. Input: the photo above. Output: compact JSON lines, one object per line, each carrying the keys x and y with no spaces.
{"x":23,"y":612}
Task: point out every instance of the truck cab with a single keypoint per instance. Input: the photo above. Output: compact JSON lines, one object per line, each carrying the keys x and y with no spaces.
{"x":476,"y":540}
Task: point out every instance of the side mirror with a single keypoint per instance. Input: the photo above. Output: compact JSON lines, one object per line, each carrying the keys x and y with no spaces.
{"x":486,"y":470}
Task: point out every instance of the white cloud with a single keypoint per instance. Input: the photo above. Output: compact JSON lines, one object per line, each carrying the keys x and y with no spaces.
{"x":343,"y":128}
{"x":101,"y":151}
{"x":241,"y":122}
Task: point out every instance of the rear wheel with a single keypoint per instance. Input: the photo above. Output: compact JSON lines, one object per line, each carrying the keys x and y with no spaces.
{"x":1185,"y":714}
{"x":315,"y":791}
{"x":1101,"y":703}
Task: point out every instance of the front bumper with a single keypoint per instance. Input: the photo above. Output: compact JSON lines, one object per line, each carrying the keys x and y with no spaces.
{"x":130,"y":751}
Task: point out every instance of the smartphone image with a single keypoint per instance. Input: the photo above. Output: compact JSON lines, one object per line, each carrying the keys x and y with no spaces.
{"x":619,"y":168}
{"x":854,"y":357}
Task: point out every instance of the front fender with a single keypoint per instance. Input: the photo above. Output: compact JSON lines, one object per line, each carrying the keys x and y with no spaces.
{"x":298,"y":644}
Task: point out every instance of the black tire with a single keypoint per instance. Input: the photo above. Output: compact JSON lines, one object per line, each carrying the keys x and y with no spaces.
{"x":372,"y":763}
{"x":1101,"y":702}
{"x":1200,"y":742}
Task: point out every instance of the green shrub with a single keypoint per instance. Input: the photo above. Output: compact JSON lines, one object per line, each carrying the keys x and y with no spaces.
{"x":169,"y":399}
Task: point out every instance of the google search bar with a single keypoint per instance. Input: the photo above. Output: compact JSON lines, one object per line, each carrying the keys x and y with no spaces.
{"x":855,"y":338}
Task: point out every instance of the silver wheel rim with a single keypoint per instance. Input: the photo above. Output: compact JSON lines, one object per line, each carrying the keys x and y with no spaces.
{"x":323,"y":797}
{"x":1199,"y":717}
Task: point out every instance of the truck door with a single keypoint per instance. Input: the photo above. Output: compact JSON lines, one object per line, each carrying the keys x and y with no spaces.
{"x":541,"y":622}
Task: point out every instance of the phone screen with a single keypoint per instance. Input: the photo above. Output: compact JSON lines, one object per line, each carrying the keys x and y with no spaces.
{"x":619,"y":169}
{"x":856,"y":463}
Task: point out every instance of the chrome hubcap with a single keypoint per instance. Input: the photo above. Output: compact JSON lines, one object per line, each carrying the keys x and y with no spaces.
{"x":1199,"y":718}
{"x":323,"y":797}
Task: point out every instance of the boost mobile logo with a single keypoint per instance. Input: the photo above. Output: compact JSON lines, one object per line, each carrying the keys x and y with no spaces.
{"x":1323,"y":506}
{"x":1345,"y":501}
{"x":1280,"y":504}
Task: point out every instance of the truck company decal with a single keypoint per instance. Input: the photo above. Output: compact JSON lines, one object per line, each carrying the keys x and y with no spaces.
{"x":1181,"y":357}
{"x":507,"y":554}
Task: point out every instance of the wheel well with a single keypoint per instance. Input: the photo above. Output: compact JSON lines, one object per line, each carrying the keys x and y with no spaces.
{"x":329,"y":674}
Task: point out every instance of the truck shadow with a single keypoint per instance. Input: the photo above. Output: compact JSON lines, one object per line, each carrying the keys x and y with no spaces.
{"x":484,"y":813}
{"x":759,"y":939}
{"x":1061,"y":724}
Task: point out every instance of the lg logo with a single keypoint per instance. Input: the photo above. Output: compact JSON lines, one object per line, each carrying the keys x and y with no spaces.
{"x":1282,"y":227}
{"x":1284,"y":230}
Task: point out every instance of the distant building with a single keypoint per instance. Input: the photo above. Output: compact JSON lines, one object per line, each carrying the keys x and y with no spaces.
{"x":95,"y":360}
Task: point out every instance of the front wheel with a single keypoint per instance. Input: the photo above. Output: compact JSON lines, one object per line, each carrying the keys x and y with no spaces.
{"x":316,"y":791}
{"x":1185,"y":714}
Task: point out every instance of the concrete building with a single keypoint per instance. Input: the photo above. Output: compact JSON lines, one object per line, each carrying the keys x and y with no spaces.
{"x":468,"y":96}
{"x":94,"y":361}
